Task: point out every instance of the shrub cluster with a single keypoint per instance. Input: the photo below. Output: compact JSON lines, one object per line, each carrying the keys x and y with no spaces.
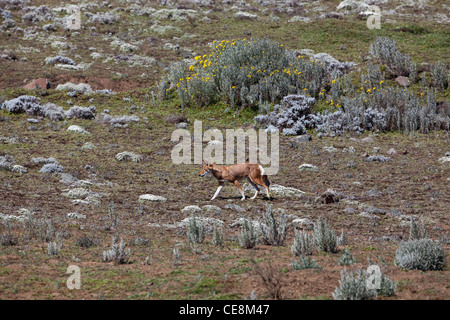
{"x":244,"y":73}
{"x":31,"y":105}
{"x":422,"y":254}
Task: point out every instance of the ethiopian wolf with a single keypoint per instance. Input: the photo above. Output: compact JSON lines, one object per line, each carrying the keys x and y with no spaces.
{"x":253,"y":172}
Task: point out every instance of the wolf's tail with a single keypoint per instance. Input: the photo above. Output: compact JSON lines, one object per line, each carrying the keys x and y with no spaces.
{"x":264,"y":176}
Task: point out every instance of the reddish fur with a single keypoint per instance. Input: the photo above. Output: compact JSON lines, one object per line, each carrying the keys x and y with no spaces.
{"x":236,"y":172}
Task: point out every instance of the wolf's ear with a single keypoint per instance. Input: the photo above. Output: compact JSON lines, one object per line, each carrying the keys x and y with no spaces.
{"x":205,"y":162}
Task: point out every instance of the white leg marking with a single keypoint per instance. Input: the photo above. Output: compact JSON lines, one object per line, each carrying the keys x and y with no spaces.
{"x":267,"y":191}
{"x":243,"y":195}
{"x":217,"y":192}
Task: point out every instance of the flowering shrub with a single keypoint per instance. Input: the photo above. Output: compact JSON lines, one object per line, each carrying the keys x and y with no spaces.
{"x":244,"y":73}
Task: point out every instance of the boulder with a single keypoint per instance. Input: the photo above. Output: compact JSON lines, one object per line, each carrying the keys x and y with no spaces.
{"x":151,"y":198}
{"x":40,"y":83}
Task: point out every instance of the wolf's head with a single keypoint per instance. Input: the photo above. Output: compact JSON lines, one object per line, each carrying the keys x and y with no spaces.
{"x":206,"y":168}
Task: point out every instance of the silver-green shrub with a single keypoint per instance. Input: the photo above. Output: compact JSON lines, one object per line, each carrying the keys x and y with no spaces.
{"x":305,"y":263}
{"x":248,"y":238}
{"x":385,"y":51}
{"x":217,"y":238}
{"x":346,"y":258}
{"x":303,"y":244}
{"x":418,"y":230}
{"x":118,"y":252}
{"x":196,"y":231}
{"x":440,"y":75}
{"x":422,"y":254}
{"x":353,"y":286}
{"x":324,"y":238}
{"x":273,"y":232}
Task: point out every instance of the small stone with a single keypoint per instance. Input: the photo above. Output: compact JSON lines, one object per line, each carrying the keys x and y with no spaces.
{"x":151,"y":198}
{"x":308,"y":167}
{"x":403,"y":81}
{"x":191,"y":209}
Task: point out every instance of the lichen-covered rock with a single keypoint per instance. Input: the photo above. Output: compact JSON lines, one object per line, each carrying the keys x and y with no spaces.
{"x":59,"y":59}
{"x":282,"y":191}
{"x":51,"y":168}
{"x":308,"y":167}
{"x":76,"y":193}
{"x":191,"y":209}
{"x":215,"y":210}
{"x":6,"y":162}
{"x":151,"y":198}
{"x":241,"y":15}
{"x":77,"y":129}
{"x":79,"y":88}
{"x":19,"y":169}
{"x":128,"y":156}
{"x":77,"y":112}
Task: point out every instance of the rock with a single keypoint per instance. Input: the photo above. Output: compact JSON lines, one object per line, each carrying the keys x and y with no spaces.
{"x":76,"y":193}
{"x":329,"y":196}
{"x":181,"y":125}
{"x":40,"y":83}
{"x":75,"y":215}
{"x":403,"y":81}
{"x":51,"y":168}
{"x":88,"y":146}
{"x":79,"y":88}
{"x":374,"y":210}
{"x":330,"y":149}
{"x":245,"y":16}
{"x":32,"y":121}
{"x":128,"y":156}
{"x":304,"y":52}
{"x":352,"y":5}
{"x":303,"y":223}
{"x":350,"y":210}
{"x":77,"y":129}
{"x":308,"y":167}
{"x":351,"y":149}
{"x":444,"y":159}
{"x":234,"y":207}
{"x":191,"y":209}
{"x":302,"y":138}
{"x":211,"y":209}
{"x":67,"y":178}
{"x":208,"y":223}
{"x":368,"y":215}
{"x":333,"y":64}
{"x":151,"y":198}
{"x":377,"y":158}
{"x":176,"y":119}
{"x":279,"y":190}
{"x":299,"y":19}
{"x":19,"y":169}
{"x":373,"y":193}
{"x":392,"y":152}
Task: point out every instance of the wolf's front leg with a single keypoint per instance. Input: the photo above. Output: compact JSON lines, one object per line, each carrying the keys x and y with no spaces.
{"x":240,"y":189}
{"x":218,"y":191}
